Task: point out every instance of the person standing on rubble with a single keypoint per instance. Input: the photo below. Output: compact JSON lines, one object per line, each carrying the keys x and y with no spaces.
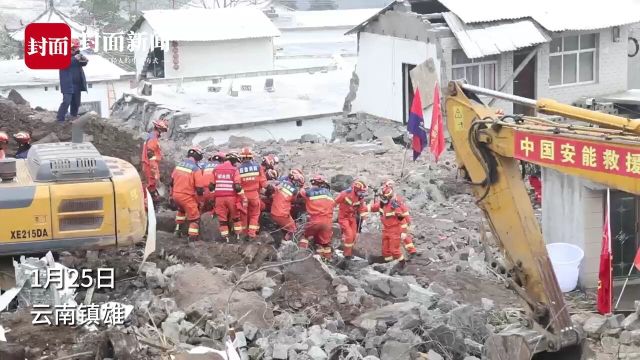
{"x":4,"y":142}
{"x":151,"y":156}
{"x":185,"y":192}
{"x":208,"y":204}
{"x":226,"y":187}
{"x":351,"y":205}
{"x":253,"y":180}
{"x":284,"y":194}
{"x":72,"y":83}
{"x":319,"y":205}
{"x":24,"y":144}
{"x":393,"y":214}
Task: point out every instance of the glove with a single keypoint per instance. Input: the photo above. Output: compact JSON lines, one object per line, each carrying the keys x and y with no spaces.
{"x":199,"y":191}
{"x":212,"y":186}
{"x":403,"y":236}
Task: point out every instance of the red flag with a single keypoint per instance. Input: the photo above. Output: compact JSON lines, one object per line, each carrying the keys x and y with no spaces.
{"x":605,"y":279}
{"x":436,"y":134}
{"x":636,"y":261}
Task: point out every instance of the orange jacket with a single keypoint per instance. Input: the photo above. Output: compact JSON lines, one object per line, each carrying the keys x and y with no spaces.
{"x":284,"y":195}
{"x":252,"y":177}
{"x":151,"y":153}
{"x":225,"y":176}
{"x":1,"y":154}
{"x":207,"y":173}
{"x":348,"y":203}
{"x":393,"y":214}
{"x":319,"y":204}
{"x":185,"y":177}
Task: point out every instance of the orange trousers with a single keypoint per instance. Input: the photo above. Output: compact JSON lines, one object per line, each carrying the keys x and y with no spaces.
{"x":188,"y":210}
{"x":250,"y":220}
{"x":349,"y":229}
{"x":226,"y":212}
{"x":391,"y":244}
{"x":320,"y":232}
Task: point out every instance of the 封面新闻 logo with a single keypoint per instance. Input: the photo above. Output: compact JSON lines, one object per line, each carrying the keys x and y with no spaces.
{"x":47,"y":46}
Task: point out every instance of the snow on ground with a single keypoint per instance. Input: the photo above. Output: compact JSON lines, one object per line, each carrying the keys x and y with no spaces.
{"x":295,"y":95}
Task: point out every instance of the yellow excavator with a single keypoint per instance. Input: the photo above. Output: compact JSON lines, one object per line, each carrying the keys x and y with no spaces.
{"x":67,"y":196}
{"x":489,"y":147}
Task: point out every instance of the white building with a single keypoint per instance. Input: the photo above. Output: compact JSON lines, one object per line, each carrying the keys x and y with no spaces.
{"x":105,"y":82}
{"x":205,"y":42}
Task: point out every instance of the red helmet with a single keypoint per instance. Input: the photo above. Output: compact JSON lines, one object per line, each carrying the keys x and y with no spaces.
{"x":319,"y":180}
{"x":233,"y":157}
{"x":75,"y":43}
{"x":219,"y":157}
{"x":271,"y":174}
{"x":270,"y":161}
{"x":387,"y":193}
{"x":22,"y":137}
{"x":195,"y":152}
{"x":4,"y":137}
{"x":359,"y":188}
{"x":297,"y":177}
{"x":246,"y":153}
{"x":161,"y":124}
{"x":388,"y":182}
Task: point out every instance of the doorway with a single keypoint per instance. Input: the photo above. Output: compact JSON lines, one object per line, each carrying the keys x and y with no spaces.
{"x":524,"y":83}
{"x":407,"y":91}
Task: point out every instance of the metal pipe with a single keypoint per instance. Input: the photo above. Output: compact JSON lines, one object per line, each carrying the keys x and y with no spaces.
{"x":499,"y":95}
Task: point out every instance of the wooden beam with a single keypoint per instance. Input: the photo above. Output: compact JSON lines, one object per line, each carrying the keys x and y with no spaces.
{"x":518,"y":70}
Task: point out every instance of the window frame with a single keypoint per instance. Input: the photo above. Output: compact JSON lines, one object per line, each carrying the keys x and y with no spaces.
{"x":576,"y":53}
{"x":480,"y":62}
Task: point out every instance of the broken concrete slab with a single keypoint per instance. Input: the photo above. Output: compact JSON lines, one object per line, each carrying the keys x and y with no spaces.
{"x":432,"y":355}
{"x":394,"y":350}
{"x":631,"y":322}
{"x":256,"y":281}
{"x":389,"y":314}
{"x":316,"y":353}
{"x":422,"y":296}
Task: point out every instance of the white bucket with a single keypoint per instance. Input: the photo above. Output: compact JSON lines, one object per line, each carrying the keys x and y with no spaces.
{"x":566,"y":259}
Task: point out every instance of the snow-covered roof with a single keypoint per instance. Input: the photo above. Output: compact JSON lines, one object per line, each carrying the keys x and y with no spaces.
{"x":53,"y":15}
{"x":552,"y":15}
{"x":323,"y":19}
{"x":208,"y":24}
{"x":15,"y":73}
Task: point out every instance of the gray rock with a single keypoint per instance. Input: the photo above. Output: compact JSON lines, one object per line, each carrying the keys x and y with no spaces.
{"x":630,"y":337}
{"x":445,"y":304}
{"x":470,"y":358}
{"x":409,"y":321}
{"x":301,"y":319}
{"x":249,"y":330}
{"x":317,"y":353}
{"x":155,"y":279}
{"x":434,"y":287}
{"x":403,"y":336}
{"x":472,"y":323}
{"x":341,"y":182}
{"x":398,"y":288}
{"x":595,"y":325}
{"x":367,"y":324}
{"x":241,"y":340}
{"x":394,"y":350}
{"x":422,"y":296}
{"x":381,"y":327}
{"x":637,"y":306}
{"x":172,"y":270}
{"x":432,"y":355}
{"x":310,"y":138}
{"x":356,"y":334}
{"x":316,"y":336}
{"x":450,"y":338}
{"x":615,"y":321}
{"x":280,"y":351}
{"x":257,"y":281}
{"x":283,"y":321}
{"x":342,"y":288}
{"x":473,"y":347}
{"x":389,"y":314}
{"x":254,"y":352}
{"x":171,"y":329}
{"x":266,"y":292}
{"x":215,"y":330}
{"x":331,"y":325}
{"x":631,"y":322}
{"x":370,"y":357}
{"x":487,"y":304}
{"x":17,"y":98}
{"x":610,"y":345}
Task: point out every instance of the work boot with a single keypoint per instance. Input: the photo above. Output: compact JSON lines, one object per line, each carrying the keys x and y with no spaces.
{"x":177,"y":231}
{"x":398,"y":268}
{"x":344,"y":263}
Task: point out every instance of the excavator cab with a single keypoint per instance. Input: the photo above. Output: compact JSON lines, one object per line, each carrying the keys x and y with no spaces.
{"x":488,"y":147}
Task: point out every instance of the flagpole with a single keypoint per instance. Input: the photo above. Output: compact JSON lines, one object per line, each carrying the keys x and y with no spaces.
{"x":404,"y":159}
{"x":623,"y":287}
{"x":610,"y":248}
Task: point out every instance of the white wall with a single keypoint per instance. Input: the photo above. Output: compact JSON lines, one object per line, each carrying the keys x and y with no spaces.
{"x":140,"y":53}
{"x":285,"y":130}
{"x":633,"y":68}
{"x":379,"y":69}
{"x":220,"y":57}
{"x":51,"y":98}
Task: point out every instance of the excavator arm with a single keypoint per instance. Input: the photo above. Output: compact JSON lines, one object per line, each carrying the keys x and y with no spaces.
{"x":488,"y":148}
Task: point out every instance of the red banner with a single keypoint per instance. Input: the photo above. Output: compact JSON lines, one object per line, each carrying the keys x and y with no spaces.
{"x":580,"y":154}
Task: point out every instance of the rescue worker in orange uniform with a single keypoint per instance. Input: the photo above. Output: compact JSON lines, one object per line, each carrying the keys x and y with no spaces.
{"x":185,"y":192}
{"x":207,"y":178}
{"x":24,"y":144}
{"x":393,"y":215}
{"x":269,"y":162}
{"x":350,"y":204}
{"x":226,"y":186}
{"x":284,"y":194}
{"x":151,"y":156}
{"x":266,"y":194}
{"x":253,"y":180}
{"x":319,"y":227}
{"x":4,"y":142}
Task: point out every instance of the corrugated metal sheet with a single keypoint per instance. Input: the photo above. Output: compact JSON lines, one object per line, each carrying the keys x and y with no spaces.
{"x":323,"y":19}
{"x":553,"y":15}
{"x":209,"y":24}
{"x":373,"y":17}
{"x":479,"y":40}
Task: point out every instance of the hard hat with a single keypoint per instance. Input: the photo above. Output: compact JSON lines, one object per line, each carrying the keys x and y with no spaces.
{"x":359,"y":188}
{"x":161,"y":124}
{"x":319,"y":180}
{"x":4,"y":137}
{"x":195,"y":152}
{"x":22,"y":137}
{"x":219,"y":156}
{"x":297,"y":177}
{"x":75,"y":43}
{"x":386,"y":193}
{"x":246,"y":153}
{"x":270,"y":161}
{"x":271,"y":174}
{"x":233,"y":157}
{"x":388,"y":182}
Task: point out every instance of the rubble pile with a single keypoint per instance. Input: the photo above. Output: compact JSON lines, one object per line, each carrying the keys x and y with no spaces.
{"x":614,"y":336}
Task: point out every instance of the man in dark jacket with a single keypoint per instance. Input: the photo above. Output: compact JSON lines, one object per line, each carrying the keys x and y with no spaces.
{"x":72,"y":82}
